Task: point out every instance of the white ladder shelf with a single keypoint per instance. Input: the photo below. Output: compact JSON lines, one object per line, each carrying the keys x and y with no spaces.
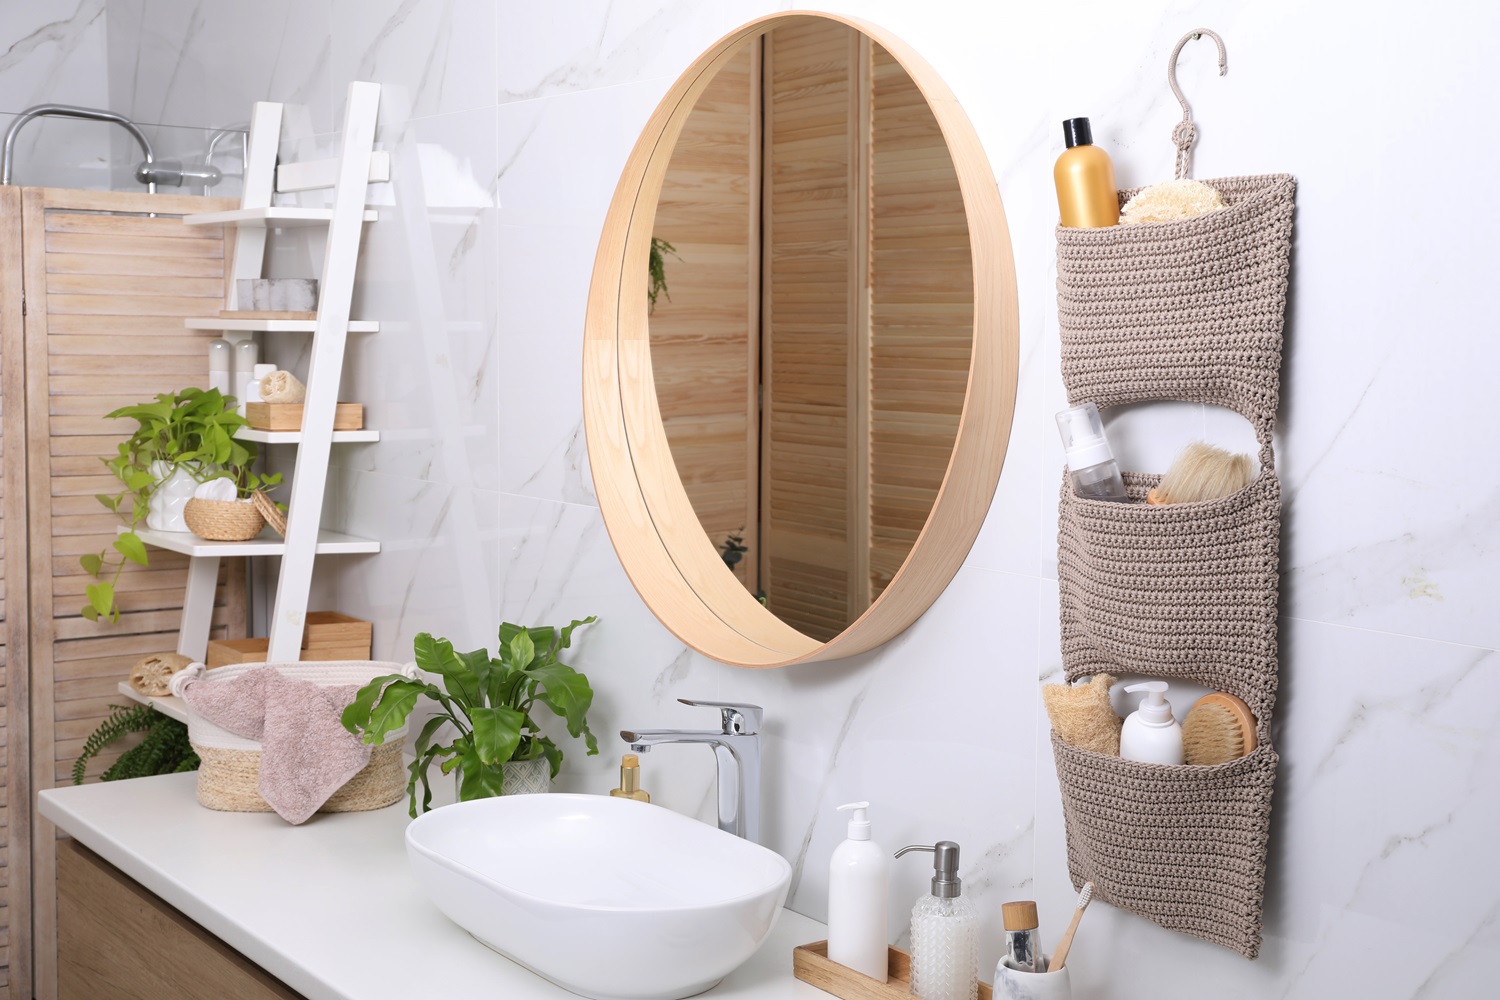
{"x":348,"y":176}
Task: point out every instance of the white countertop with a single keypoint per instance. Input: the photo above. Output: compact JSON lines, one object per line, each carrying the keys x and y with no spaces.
{"x":330,"y":907}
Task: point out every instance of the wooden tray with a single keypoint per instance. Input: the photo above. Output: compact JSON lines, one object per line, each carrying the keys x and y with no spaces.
{"x":811,"y":964}
{"x":331,"y":628}
{"x":288,"y":416}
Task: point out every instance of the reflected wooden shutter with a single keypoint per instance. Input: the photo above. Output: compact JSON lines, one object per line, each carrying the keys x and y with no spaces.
{"x":704,"y":342}
{"x":921,"y":316}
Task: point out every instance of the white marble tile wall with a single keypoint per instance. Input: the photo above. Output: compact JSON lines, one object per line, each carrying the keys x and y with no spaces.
{"x":510,"y":123}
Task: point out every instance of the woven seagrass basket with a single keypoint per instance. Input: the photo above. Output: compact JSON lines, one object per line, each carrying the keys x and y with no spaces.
{"x":223,"y":520}
{"x":229,"y":775}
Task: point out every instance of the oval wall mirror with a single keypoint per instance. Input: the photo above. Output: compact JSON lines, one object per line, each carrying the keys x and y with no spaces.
{"x":800,"y":355}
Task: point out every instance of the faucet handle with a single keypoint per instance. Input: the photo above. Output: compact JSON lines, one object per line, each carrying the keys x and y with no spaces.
{"x":736,"y":718}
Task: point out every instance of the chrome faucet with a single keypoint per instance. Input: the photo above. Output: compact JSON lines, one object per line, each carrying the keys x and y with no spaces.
{"x":736,"y":746}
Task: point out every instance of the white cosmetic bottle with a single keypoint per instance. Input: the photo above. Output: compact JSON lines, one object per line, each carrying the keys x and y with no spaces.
{"x":1091,"y":463}
{"x":858,"y":881}
{"x":1150,"y":734}
{"x":944,"y":932}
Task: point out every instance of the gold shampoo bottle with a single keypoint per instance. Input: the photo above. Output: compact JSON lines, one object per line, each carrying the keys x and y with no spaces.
{"x":1085,"y":178}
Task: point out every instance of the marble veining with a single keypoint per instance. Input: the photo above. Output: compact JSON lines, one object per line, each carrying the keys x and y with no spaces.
{"x":510,"y":123}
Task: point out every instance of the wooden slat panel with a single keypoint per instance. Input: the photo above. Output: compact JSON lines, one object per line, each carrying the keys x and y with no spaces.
{"x":15,"y":758}
{"x":703,"y":337}
{"x":109,"y":291}
{"x":922,"y":315}
{"x":810,"y":177}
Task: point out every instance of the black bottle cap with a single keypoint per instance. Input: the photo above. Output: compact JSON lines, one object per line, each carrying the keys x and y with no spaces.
{"x":1076,"y":132}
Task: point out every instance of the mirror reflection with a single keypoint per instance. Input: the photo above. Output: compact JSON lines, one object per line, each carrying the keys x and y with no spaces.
{"x":813,"y":318}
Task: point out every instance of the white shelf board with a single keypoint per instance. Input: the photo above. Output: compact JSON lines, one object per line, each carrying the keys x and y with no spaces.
{"x":273,"y":325}
{"x":268,"y":543}
{"x":274,"y":216}
{"x":295,"y":437}
{"x":169,"y":706}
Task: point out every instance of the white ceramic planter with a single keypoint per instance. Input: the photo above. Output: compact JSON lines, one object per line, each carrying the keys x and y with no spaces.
{"x":164,"y":510}
{"x":521,"y":777}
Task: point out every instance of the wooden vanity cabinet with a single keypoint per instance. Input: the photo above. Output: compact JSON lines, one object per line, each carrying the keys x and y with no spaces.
{"x":117,"y":941}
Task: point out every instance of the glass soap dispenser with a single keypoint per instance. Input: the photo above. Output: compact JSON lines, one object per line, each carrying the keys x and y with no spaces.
{"x":944,"y":932}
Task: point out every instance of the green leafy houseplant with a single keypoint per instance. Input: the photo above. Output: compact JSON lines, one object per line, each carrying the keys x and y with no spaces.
{"x":165,"y":750}
{"x":488,"y":699}
{"x":657,"y":265}
{"x":192,"y":430}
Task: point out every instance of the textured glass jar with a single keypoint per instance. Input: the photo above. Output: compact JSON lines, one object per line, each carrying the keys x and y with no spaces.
{"x":944,"y":949}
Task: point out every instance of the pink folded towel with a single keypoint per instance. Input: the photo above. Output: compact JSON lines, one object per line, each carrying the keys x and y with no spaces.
{"x":306,"y":753}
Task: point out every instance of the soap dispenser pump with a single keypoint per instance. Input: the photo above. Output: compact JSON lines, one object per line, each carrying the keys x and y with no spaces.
{"x":630,"y":780}
{"x":944,"y":932}
{"x":858,"y":881}
{"x":1150,"y":734}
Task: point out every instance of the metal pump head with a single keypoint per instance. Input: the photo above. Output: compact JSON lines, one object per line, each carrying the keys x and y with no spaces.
{"x":945,"y":881}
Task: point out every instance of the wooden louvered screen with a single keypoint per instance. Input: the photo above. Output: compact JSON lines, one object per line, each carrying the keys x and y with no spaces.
{"x":106,"y":288}
{"x":15,"y":805}
{"x":921,"y":315}
{"x":814,"y":447}
{"x":704,"y":351}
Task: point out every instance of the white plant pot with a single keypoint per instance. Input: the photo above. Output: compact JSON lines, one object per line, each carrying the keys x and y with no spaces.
{"x":164,"y":509}
{"x":521,"y":777}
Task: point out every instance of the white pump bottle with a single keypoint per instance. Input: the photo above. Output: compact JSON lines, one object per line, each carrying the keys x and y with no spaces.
{"x":1150,"y":734}
{"x":858,"y":881}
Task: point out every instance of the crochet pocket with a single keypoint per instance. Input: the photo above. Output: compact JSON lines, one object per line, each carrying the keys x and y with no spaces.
{"x":1179,"y":590}
{"x":1184,"y":846}
{"x":1189,"y":310}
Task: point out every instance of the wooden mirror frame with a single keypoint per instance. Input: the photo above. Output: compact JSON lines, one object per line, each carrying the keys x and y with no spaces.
{"x":668,"y":557}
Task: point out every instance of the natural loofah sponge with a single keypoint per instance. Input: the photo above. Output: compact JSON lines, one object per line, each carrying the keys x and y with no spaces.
{"x":152,"y":674}
{"x":1170,"y":201}
{"x":282,"y":387}
{"x":1081,"y":714}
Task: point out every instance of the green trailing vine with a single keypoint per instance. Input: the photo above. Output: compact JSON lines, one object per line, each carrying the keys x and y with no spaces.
{"x":165,"y":749}
{"x":658,"y":267}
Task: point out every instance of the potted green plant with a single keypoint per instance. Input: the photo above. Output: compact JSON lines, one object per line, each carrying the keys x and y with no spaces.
{"x":489,"y":701}
{"x":181,"y":440}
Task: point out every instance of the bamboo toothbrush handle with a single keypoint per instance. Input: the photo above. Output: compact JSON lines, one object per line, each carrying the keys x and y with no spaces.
{"x":1061,"y":955}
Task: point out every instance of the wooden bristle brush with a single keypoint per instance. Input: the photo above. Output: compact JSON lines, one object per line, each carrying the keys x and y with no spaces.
{"x":1218,"y":728}
{"x":1061,"y":955}
{"x":1202,"y":472}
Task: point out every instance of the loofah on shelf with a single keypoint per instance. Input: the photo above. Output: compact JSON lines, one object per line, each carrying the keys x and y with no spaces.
{"x":282,"y":387}
{"x":152,"y":674}
{"x":1082,"y":715}
{"x":1170,"y":201}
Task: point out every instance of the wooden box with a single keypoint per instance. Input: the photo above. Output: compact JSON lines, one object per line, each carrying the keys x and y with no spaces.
{"x":325,"y":631}
{"x":288,"y":416}
{"x":811,"y":964}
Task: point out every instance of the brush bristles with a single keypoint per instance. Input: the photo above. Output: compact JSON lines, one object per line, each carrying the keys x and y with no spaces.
{"x":1211,"y":734}
{"x":1203,"y":472}
{"x":1086,"y":895}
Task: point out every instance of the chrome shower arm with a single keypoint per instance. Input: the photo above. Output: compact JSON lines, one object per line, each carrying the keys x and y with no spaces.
{"x":69,"y":111}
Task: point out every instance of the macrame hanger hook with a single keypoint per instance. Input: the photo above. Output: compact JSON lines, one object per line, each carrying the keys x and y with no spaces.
{"x":1184,"y":133}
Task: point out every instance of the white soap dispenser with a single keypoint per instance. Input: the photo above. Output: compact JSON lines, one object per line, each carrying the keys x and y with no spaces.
{"x":944,"y":932}
{"x":858,"y":880}
{"x":1150,"y":734}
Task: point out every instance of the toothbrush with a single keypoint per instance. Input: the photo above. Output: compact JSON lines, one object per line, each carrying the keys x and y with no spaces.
{"x":1061,"y":954}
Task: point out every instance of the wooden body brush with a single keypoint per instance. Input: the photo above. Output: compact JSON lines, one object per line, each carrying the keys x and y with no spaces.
{"x":1218,"y":728}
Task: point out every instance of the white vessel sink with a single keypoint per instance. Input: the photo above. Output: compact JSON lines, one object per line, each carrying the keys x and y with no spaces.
{"x":606,"y":897}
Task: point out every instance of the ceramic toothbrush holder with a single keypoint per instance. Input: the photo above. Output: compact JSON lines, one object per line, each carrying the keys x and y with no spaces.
{"x":1013,"y":985}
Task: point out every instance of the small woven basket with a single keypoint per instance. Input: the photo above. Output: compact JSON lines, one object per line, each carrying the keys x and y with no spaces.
{"x":229,"y":775}
{"x":223,"y":520}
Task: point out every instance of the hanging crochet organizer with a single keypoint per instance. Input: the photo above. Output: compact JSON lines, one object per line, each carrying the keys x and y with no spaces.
{"x":1189,"y":310}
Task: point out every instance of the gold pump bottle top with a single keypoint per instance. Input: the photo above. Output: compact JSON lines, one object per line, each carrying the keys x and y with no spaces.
{"x":630,"y":780}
